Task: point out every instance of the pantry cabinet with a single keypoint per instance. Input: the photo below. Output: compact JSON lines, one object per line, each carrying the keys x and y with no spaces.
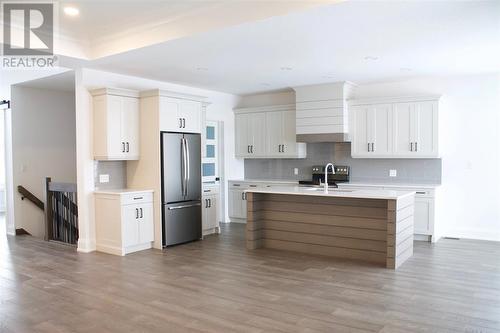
{"x":398,"y":129}
{"x":124,"y":221}
{"x":116,"y":124}
{"x":267,"y":132}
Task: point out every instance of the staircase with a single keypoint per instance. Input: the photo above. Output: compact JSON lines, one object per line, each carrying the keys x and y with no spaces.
{"x":61,"y":211}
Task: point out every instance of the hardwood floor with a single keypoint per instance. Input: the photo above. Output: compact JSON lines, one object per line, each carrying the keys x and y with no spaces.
{"x":218,"y":286}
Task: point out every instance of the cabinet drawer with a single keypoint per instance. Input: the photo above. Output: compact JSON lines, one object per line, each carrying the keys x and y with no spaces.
{"x":136,"y":198}
{"x":419,"y":193}
{"x":210,"y":190}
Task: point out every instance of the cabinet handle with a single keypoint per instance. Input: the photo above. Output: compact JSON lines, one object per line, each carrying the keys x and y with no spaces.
{"x":416,"y":147}
{"x":368,"y":146}
{"x":209,"y":203}
{"x":128,"y":147}
{"x":138,"y":198}
{"x":183,"y":122}
{"x":136,"y":213}
{"x":411,"y":146}
{"x":123,"y":147}
{"x":279,"y":148}
{"x":180,"y":122}
{"x":251,"y":149}
{"x":420,"y":192}
{"x":282,"y":148}
{"x":248,"y":149}
{"x":142,"y":214}
{"x":206,"y":203}
{"x":373,"y":149}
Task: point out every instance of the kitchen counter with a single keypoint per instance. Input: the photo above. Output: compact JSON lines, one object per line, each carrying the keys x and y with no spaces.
{"x":394,"y":185}
{"x":333,"y":192}
{"x":366,"y":225}
{"x":121,"y":191}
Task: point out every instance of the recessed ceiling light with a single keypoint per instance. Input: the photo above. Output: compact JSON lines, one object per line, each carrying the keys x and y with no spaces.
{"x":201,"y":69}
{"x":286,"y":68}
{"x":405,"y":69}
{"x":371,"y":58}
{"x":71,"y":11}
{"x":265,"y":84}
{"x":328,"y":76}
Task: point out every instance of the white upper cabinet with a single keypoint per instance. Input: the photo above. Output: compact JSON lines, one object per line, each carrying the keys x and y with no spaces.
{"x":116,"y":124}
{"x":180,"y":115}
{"x":416,"y":129}
{"x":401,"y":129}
{"x":372,"y":132}
{"x":250,"y":134}
{"x":267,"y":132}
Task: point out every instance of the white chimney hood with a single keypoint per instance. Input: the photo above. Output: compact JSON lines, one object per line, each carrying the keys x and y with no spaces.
{"x":321,"y":112}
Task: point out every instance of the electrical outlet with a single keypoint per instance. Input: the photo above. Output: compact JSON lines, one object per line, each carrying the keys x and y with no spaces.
{"x":103,"y":178}
{"x":295,"y":171}
{"x":393,"y":173}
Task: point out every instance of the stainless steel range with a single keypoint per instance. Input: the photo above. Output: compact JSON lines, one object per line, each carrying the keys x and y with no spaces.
{"x":341,"y":175}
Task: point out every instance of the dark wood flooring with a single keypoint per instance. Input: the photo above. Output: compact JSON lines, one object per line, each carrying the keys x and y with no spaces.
{"x":216,"y":285}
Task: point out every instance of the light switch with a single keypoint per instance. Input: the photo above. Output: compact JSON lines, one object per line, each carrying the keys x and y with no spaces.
{"x":393,"y":173}
{"x":103,"y":178}
{"x":296,"y":171}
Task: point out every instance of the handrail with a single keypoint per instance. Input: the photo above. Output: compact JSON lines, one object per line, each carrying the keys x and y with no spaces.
{"x":30,"y":196}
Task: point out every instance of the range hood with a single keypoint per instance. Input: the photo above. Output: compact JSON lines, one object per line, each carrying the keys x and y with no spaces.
{"x":322,"y":113}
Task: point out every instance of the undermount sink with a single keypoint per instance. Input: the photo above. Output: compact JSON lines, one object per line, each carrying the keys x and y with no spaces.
{"x":317,"y":189}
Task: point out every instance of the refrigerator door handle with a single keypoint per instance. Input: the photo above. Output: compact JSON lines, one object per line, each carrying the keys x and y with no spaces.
{"x":186,"y":145}
{"x":184,"y":206}
{"x":183,"y":167}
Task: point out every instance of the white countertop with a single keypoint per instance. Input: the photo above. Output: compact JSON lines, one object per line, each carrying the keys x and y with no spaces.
{"x":122,"y":191}
{"x":351,"y":183}
{"x":314,"y":191}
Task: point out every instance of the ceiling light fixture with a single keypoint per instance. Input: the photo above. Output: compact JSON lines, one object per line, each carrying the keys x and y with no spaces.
{"x":371,"y":58}
{"x":201,"y":69}
{"x":405,"y":69}
{"x":286,"y":68}
{"x":265,"y":84}
{"x":71,"y":11}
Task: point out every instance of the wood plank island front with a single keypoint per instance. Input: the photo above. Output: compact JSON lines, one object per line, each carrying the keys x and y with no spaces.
{"x":369,"y":225}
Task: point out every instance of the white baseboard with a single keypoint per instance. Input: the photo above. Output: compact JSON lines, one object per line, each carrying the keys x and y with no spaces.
{"x":479,"y":234}
{"x":86,"y":245}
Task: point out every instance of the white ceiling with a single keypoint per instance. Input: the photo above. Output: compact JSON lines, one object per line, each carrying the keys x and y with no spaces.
{"x":327,"y":44}
{"x":103,"y":28}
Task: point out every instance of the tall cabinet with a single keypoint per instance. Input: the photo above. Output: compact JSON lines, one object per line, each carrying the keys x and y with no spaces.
{"x":397,"y":128}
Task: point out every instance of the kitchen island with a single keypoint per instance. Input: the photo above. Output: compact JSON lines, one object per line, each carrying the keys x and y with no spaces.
{"x":368,"y":225}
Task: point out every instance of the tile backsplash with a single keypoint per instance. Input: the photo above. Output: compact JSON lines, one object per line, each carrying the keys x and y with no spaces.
{"x":362,"y":169}
{"x":117,"y":171}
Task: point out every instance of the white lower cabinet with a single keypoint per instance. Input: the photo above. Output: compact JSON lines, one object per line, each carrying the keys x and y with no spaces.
{"x":124,"y":221}
{"x":424,"y":214}
{"x":210,"y":210}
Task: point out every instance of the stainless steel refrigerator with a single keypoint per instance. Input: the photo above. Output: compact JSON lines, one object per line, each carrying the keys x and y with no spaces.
{"x":181,"y":187}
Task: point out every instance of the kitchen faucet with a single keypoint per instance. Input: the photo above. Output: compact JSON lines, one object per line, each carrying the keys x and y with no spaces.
{"x":326,"y":175}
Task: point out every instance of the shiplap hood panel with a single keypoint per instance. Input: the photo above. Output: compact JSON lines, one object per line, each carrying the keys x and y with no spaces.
{"x":321,"y":112}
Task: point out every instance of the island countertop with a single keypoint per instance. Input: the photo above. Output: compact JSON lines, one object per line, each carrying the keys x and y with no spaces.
{"x":334,"y":192}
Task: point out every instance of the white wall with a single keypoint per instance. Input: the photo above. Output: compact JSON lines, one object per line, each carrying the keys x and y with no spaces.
{"x":86,"y":79}
{"x":469,"y":147}
{"x":43,"y":145}
{"x":7,"y":79}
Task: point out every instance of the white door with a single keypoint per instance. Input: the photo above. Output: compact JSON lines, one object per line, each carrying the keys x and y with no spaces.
{"x":146,"y":225}
{"x":289,"y":136}
{"x":423,"y":216}
{"x":380,"y":123}
{"x":130,"y":225}
{"x":170,"y":119}
{"x":236,"y":204}
{"x":241,"y":136}
{"x":190,"y":114}
{"x":116,"y":144}
{"x":360,"y":144}
{"x":403,"y":128}
{"x":130,"y":126}
{"x":257,"y":134}
{"x":274,"y":133}
{"x":425,"y":128}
